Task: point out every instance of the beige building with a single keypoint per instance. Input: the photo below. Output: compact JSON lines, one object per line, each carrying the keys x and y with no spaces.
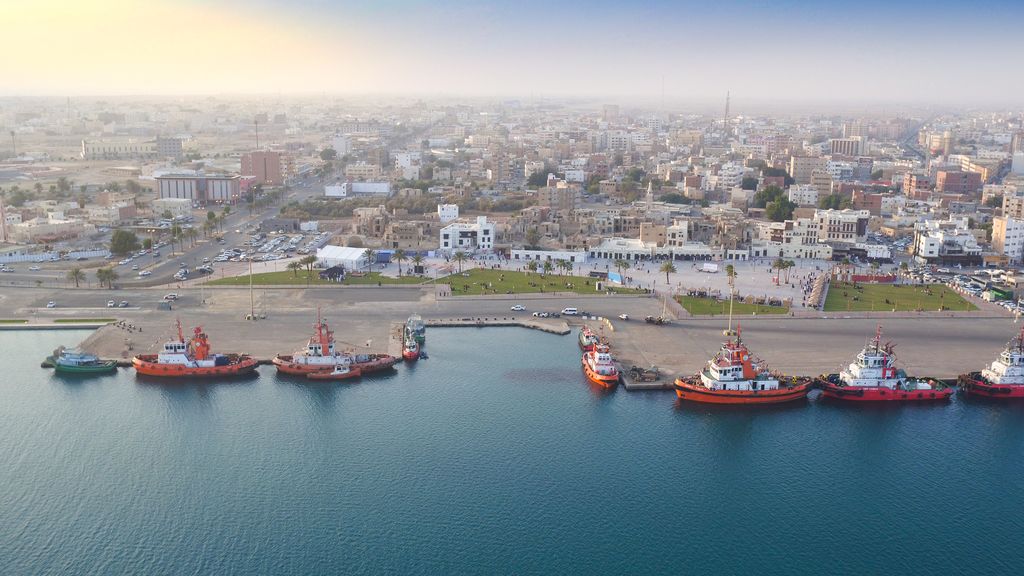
{"x":1008,"y":238}
{"x":50,"y":228}
{"x":362,"y":171}
{"x":801,"y":168}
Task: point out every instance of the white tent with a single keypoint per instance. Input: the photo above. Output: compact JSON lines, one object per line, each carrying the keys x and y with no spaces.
{"x":350,"y":258}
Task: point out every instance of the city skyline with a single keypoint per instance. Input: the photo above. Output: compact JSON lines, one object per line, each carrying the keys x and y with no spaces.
{"x":793,"y":51}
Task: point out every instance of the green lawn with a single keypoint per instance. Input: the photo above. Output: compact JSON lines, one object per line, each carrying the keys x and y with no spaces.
{"x":84,"y":320}
{"x":288,"y":278}
{"x":485,"y":281}
{"x":843,"y":296}
{"x":12,"y":321}
{"x":710,"y":306}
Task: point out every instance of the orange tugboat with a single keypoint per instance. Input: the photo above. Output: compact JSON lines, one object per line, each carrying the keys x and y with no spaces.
{"x":320,"y":355}
{"x":599,"y":366}
{"x":410,"y":349}
{"x":192,"y":358}
{"x":734,"y":376}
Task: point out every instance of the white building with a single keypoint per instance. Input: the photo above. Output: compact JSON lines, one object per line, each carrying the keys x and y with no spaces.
{"x":803,"y":195}
{"x":1008,"y":238}
{"x":478,"y":235}
{"x":553,"y":255}
{"x":178,"y":207}
{"x":346,"y":189}
{"x":1018,"y":162}
{"x":447,"y":212}
{"x":341,"y":144}
{"x":945,"y":241}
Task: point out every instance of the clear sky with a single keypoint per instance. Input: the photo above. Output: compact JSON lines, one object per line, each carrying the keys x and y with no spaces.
{"x":877,"y":50}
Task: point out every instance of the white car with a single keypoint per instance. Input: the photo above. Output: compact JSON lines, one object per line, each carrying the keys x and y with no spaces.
{"x":34,"y":268}
{"x":518,"y":308}
{"x":51,"y":304}
{"x":171,"y":296}
{"x":111,"y":304}
{"x":144,"y":273}
{"x":135,"y":266}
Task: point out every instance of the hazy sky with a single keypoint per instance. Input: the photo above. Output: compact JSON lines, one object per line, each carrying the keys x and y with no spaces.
{"x":891,"y":50}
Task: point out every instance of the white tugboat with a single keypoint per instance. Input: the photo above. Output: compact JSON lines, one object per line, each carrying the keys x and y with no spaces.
{"x":1004,"y":378}
{"x":873,"y":377}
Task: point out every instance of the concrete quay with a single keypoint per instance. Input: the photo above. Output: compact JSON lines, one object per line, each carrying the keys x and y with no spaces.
{"x":930,"y":344}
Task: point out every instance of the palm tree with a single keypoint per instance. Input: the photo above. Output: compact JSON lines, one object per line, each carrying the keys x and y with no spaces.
{"x":76,"y":275}
{"x":106,"y":276}
{"x":308,"y":262}
{"x":668,"y":268}
{"x":730,"y":273}
{"x":295,"y":266}
{"x":531,"y":265}
{"x":548,"y":266}
{"x":220,"y":221}
{"x":208,"y":227}
{"x":621,"y":265}
{"x":191,"y":234}
{"x":459,"y":258}
{"x":565,"y":265}
{"x":786,"y":267}
{"x":417,"y":260}
{"x":779,"y":264}
{"x":371,"y":256}
{"x":399,"y":257}
{"x":175,"y":236}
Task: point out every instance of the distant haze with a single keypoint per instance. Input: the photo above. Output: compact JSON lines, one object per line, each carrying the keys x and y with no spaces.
{"x":793,"y":50}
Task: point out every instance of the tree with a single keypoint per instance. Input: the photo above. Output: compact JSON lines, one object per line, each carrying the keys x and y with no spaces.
{"x":538,"y":178}
{"x":399,"y":257}
{"x":63,"y":185}
{"x":531,"y":265}
{"x":294,"y":266}
{"x":668,"y":268}
{"x":76,"y":275}
{"x":780,"y":210}
{"x":786,"y":265}
{"x":994,"y":201}
{"x":107,"y":276}
{"x":354,"y":242}
{"x":776,"y":172}
{"x":459,"y":258}
{"x":548,"y":266}
{"x":673,"y":198}
{"x":147,"y":243}
{"x":208,"y":227}
{"x":123,"y":242}
{"x":308,"y":262}
{"x":175,"y":236}
{"x":621,"y":265}
{"x":417,"y":261}
{"x":328,"y":154}
{"x":191,"y":234}
{"x":565,"y":265}
{"x":767,"y":196}
{"x":371,"y":257}
{"x":226,"y":211}
{"x":211,"y":216}
{"x":749,"y":183}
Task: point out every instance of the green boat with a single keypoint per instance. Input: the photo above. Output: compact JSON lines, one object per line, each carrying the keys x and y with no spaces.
{"x":75,"y":362}
{"x":416,"y":329}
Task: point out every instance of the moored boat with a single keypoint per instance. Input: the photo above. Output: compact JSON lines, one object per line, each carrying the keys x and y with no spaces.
{"x":339,"y":373}
{"x":181,"y":358}
{"x":321,"y":355}
{"x":873,"y":377}
{"x":1004,"y":378}
{"x":599,"y":366}
{"x":75,"y":362}
{"x":588,"y":340}
{"x":415,"y":327}
{"x":410,"y":349}
{"x":735,"y":376}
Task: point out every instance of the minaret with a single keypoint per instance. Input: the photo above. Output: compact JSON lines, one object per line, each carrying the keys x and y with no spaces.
{"x":650,"y":197}
{"x":725,"y":122}
{"x":3,"y":222}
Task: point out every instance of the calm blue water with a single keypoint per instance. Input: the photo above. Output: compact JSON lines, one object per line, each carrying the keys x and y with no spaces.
{"x":494,"y":456}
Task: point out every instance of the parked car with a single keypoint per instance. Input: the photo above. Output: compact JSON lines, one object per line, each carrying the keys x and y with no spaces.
{"x":34,"y":268}
{"x":111,"y":304}
{"x":51,"y":304}
{"x":124,"y":304}
{"x":171,"y":296}
{"x":570,"y":311}
{"x":517,"y":308}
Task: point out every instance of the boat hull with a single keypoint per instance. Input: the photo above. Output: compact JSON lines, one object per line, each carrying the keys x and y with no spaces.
{"x":411,"y":355}
{"x":974,"y":385}
{"x":237,"y":365}
{"x":287,"y":365}
{"x":880,"y":393}
{"x":606,"y":380}
{"x":332,"y":376}
{"x":104,"y":368}
{"x":695,"y":392}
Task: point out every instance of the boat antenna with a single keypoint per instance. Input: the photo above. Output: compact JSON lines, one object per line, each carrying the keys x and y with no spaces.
{"x":181,"y":337}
